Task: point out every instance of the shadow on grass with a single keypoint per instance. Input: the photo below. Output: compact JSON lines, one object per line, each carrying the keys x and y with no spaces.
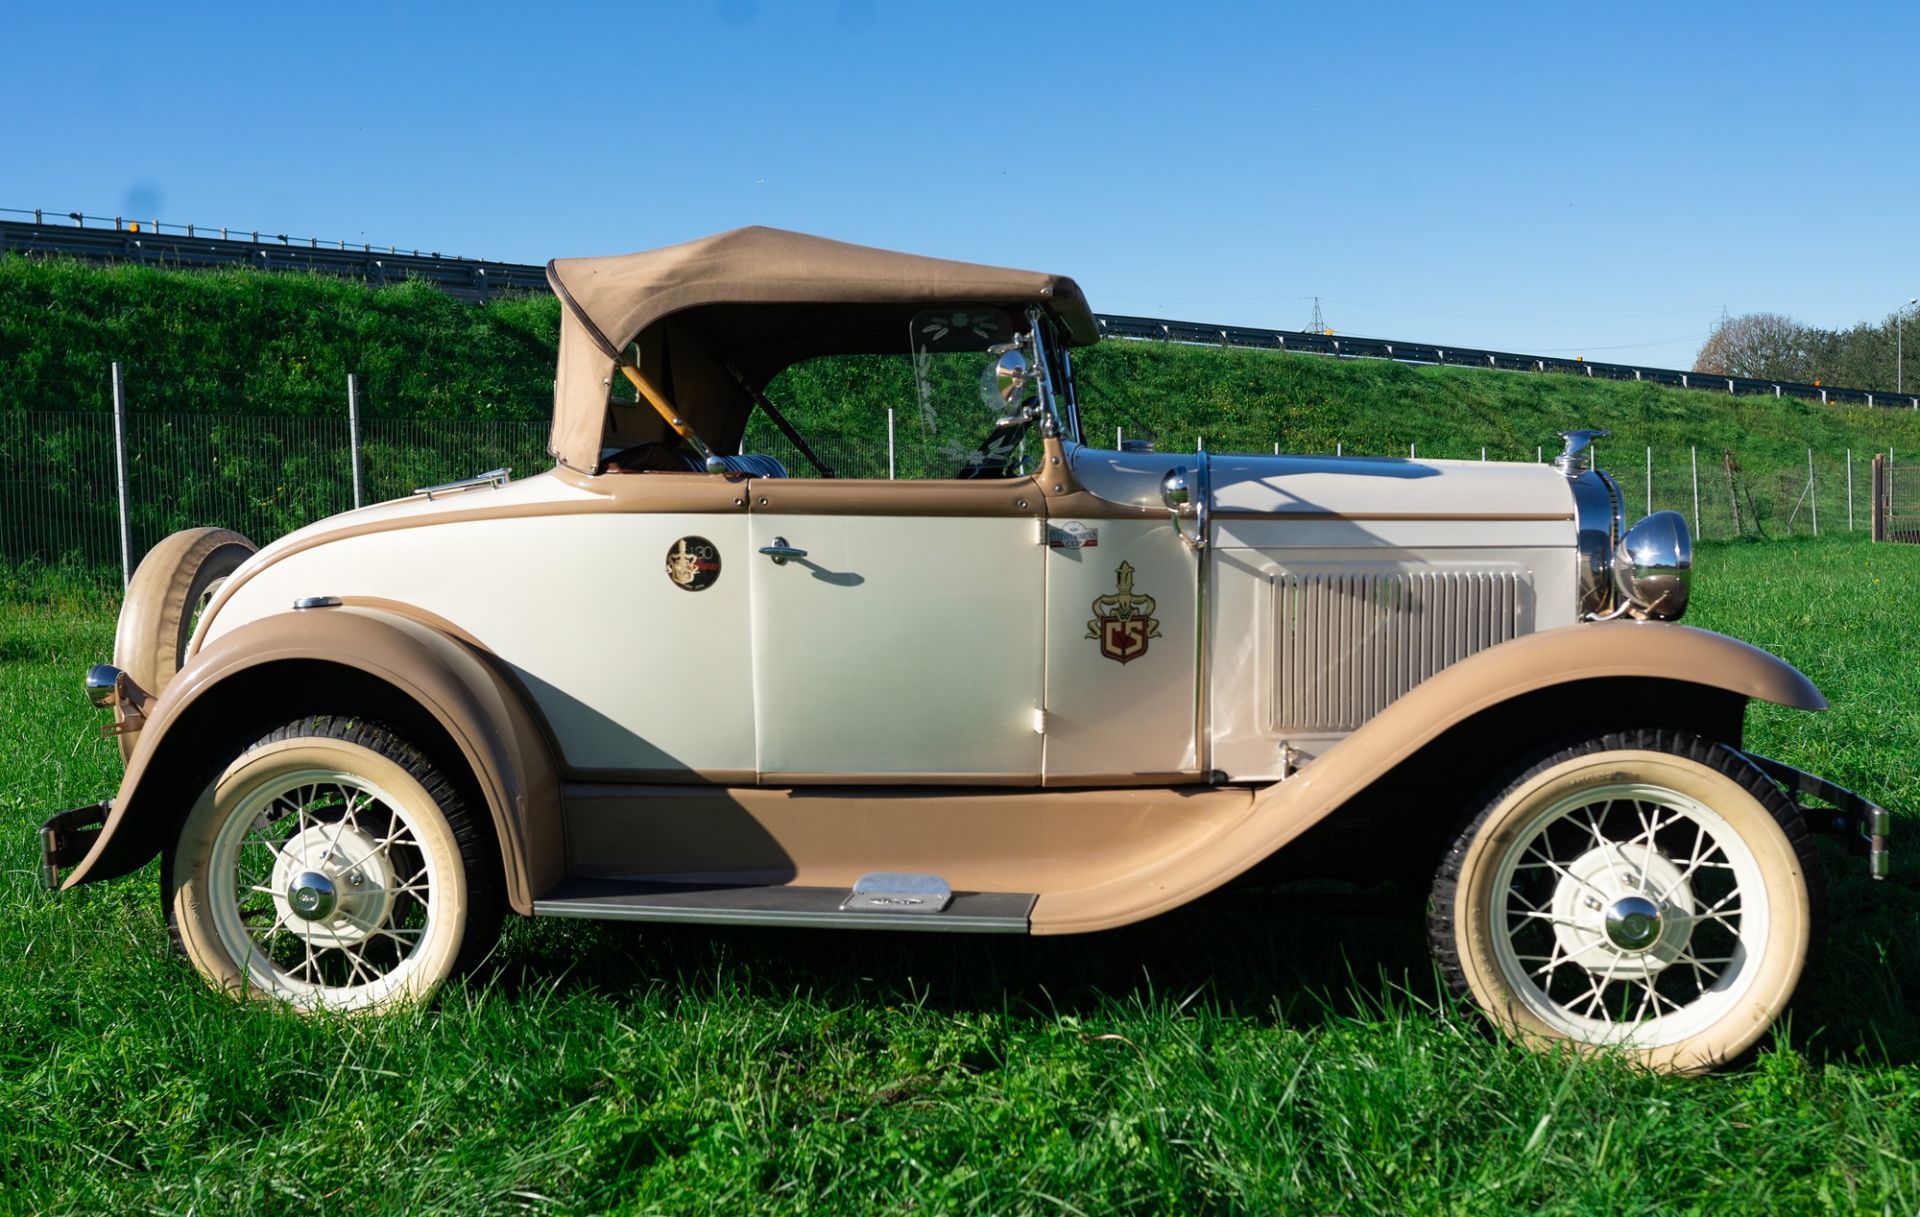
{"x":1244,"y":953}
{"x":1293,"y":959}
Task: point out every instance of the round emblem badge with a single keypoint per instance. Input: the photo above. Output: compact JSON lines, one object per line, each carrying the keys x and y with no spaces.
{"x":693,"y":564}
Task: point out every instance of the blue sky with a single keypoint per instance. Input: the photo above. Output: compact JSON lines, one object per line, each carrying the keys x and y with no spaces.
{"x":1596,"y":180}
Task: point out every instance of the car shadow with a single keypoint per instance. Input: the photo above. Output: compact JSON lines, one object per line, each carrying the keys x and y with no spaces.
{"x":1293,"y":956}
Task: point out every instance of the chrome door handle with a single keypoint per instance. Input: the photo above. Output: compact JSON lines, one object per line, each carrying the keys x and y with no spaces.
{"x":780,"y":551}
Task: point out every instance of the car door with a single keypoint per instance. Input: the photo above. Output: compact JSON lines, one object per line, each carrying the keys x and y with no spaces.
{"x":897,"y":631}
{"x":1122,"y":659}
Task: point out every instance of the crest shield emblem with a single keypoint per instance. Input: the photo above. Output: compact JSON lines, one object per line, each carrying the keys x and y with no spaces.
{"x":1123,"y":621}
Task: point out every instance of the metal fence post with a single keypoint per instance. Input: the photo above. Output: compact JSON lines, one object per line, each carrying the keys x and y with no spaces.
{"x":1339,"y":447}
{"x":1649,"y":480}
{"x":1813,"y":494}
{"x":353,"y":432}
{"x":1849,"y":490}
{"x":1878,"y":494}
{"x":120,"y":473}
{"x":890,"y":473}
{"x":1693,"y":459}
{"x":1119,"y":439}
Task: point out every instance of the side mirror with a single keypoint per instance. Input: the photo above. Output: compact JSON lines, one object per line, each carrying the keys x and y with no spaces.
{"x":1004,"y":384}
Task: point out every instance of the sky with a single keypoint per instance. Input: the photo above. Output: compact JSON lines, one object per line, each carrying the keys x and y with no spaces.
{"x":1597,"y":180}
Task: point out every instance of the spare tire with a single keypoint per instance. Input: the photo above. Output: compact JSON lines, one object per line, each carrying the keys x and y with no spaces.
{"x":173,"y":584}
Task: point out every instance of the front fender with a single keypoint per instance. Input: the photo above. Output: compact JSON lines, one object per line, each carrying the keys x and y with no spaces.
{"x":218,"y":694}
{"x":1565,"y":656}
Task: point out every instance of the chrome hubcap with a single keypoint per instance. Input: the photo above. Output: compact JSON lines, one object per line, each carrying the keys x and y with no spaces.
{"x":1633,"y":923}
{"x":312,"y":896}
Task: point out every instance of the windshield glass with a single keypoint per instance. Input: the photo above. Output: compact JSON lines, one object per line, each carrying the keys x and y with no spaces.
{"x":940,"y":427}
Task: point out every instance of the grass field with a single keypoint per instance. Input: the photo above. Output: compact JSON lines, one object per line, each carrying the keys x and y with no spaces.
{"x":1245,"y":1055}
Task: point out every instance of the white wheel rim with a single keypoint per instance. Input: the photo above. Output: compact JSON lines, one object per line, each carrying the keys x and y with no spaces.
{"x":323,"y":890}
{"x":1628,"y":914}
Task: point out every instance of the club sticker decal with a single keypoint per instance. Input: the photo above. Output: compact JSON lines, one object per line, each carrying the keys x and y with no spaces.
{"x":693,"y":564}
{"x":1123,"y":621}
{"x":1072,"y":535}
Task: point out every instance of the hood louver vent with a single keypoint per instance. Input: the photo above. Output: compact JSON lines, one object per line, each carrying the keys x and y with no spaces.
{"x":1348,"y":643}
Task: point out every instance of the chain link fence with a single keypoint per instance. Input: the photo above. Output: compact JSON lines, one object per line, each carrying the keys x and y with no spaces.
{"x":1896,"y":501}
{"x":265,"y":475}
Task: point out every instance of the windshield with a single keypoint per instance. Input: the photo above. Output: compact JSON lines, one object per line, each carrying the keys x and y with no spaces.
{"x":917,"y":414}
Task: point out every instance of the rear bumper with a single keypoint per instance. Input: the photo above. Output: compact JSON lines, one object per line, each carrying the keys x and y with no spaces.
{"x":68,"y":837}
{"x":1863,"y":823}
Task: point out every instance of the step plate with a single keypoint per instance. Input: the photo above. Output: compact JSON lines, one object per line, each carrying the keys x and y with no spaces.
{"x":702,"y":904}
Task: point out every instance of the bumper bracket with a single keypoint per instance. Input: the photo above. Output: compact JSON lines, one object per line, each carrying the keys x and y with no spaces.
{"x":69,"y":837}
{"x":1862,"y":822}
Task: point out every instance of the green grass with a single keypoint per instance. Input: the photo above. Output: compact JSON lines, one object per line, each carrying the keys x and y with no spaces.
{"x":1244,"y":1055}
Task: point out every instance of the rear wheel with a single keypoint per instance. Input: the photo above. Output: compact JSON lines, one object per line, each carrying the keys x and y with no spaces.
{"x":331,"y":866}
{"x":1648,"y":892}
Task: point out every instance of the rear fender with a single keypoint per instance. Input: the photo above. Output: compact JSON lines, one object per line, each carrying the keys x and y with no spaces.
{"x":1597,"y":655}
{"x":361,"y":659}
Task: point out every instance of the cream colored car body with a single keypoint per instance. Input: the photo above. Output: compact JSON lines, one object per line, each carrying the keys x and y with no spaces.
{"x":940,"y":649}
{"x":1046,"y":692}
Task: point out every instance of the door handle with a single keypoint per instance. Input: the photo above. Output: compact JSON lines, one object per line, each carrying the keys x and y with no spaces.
{"x":780,"y":551}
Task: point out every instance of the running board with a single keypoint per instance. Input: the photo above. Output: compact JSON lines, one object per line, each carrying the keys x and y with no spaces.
{"x":823,"y":907}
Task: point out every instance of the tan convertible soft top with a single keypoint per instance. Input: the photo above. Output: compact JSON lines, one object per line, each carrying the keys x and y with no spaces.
{"x":752,"y":302}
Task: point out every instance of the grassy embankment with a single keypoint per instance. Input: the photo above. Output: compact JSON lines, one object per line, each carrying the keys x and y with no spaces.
{"x":1240,"y":1056}
{"x":247,"y":342}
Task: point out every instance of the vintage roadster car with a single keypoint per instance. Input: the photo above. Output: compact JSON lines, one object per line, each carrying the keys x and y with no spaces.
{"x":1057,"y":690}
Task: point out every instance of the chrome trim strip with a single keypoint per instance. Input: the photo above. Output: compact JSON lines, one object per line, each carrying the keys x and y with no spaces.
{"x":1203,"y":597}
{"x":1596,"y":506}
{"x":812,"y":907}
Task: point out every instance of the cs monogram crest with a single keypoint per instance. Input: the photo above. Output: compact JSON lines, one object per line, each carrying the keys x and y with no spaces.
{"x":1124,"y":620}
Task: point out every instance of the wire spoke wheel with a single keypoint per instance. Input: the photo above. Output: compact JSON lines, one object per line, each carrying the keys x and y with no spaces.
{"x":324,"y":885}
{"x":324,"y":869}
{"x":1628,"y":913}
{"x":1645,"y":892}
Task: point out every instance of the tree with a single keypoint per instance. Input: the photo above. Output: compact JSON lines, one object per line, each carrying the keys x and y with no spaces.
{"x":1764,"y":346}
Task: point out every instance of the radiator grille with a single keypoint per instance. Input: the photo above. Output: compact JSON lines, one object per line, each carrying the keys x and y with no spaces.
{"x":1347,"y":643}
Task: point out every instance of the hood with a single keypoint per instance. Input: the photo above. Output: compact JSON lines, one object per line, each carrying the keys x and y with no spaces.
{"x":1358,"y":487}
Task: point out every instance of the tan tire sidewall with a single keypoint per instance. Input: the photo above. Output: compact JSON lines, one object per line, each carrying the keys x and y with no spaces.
{"x":150,"y":638}
{"x":433,"y":960}
{"x":1790,"y":918}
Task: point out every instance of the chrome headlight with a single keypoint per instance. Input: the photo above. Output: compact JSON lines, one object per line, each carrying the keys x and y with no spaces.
{"x":1653,"y":566}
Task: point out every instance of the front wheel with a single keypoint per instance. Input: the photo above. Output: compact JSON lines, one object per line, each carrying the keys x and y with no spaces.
{"x":331,"y":866}
{"x":1648,"y":892}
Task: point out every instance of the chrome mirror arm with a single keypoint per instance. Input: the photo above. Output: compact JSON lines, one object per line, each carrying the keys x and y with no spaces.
{"x":1049,"y":416}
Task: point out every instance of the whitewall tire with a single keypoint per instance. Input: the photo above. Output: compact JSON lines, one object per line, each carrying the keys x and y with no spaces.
{"x":331,"y":866}
{"x":1648,"y":892}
